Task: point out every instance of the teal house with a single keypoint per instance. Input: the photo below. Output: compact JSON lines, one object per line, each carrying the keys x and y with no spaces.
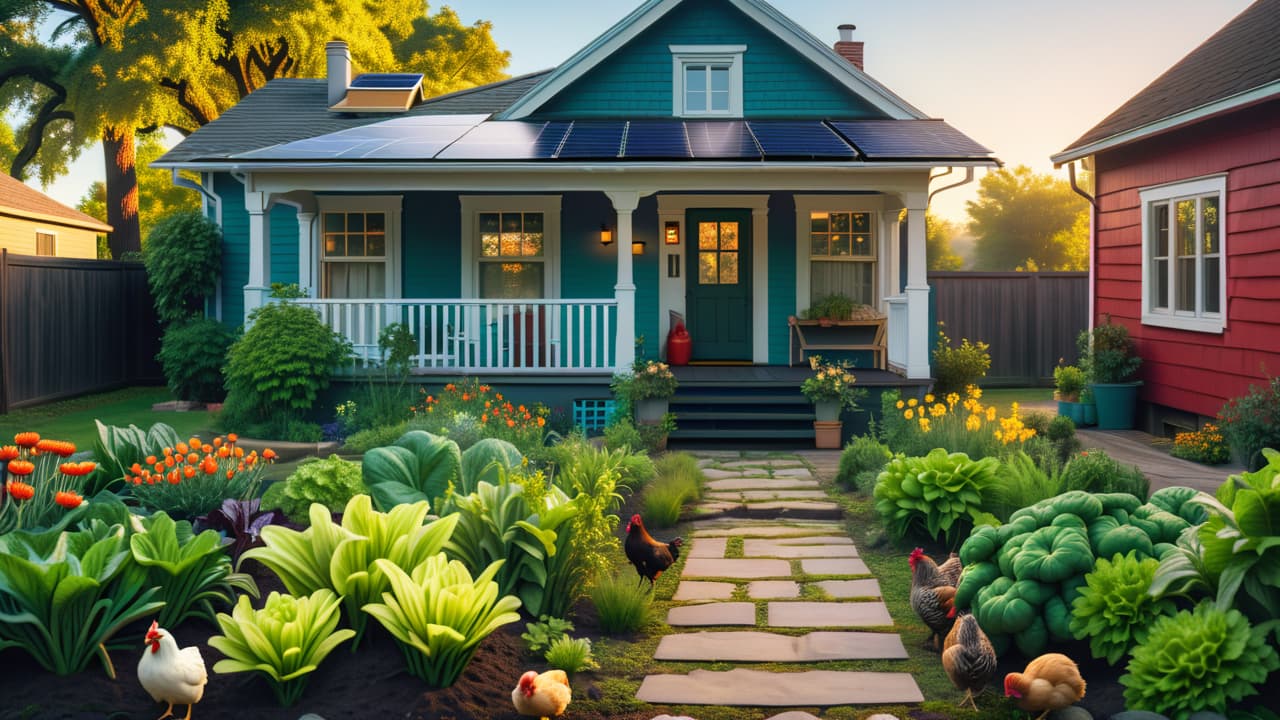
{"x":703,"y":159}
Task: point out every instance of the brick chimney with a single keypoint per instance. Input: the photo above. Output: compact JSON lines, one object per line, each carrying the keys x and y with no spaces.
{"x":338,"y":69}
{"x":847,"y":48}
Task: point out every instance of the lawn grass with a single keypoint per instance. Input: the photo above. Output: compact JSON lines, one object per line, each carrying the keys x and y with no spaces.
{"x":1002,"y":398}
{"x":72,"y":420}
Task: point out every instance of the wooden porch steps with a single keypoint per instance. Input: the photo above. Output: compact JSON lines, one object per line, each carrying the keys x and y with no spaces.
{"x":721,"y":410}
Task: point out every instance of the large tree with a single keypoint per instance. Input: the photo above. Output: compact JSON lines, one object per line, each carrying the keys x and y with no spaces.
{"x":1023,"y":218}
{"x":938,"y":234}
{"x":158,"y":197}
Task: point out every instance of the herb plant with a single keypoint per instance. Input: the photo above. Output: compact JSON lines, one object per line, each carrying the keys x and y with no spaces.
{"x":572,"y":655}
{"x":190,"y":571}
{"x":619,"y":608}
{"x":1096,"y":471}
{"x":1114,"y":609}
{"x":1069,"y":381}
{"x":862,"y":454}
{"x":538,"y":636}
{"x":1107,"y":353}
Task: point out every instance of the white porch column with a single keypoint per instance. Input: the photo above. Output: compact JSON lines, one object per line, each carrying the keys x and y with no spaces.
{"x":258,"y":290}
{"x":917,"y":290}
{"x":625,"y":203}
{"x":306,"y":248}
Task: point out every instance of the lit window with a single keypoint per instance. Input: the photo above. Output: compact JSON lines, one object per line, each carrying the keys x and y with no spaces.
{"x":718,"y":253}
{"x":354,"y":255}
{"x":707,"y":80}
{"x":512,"y":257}
{"x":842,"y":255}
{"x":1183,"y":275}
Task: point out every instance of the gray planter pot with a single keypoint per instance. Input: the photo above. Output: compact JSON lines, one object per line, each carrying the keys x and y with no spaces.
{"x":650,"y":410}
{"x":827,"y":410}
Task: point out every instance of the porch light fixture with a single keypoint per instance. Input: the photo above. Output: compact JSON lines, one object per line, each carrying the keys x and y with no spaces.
{"x":672,"y":233}
{"x":637,"y":247}
{"x":606,"y":235}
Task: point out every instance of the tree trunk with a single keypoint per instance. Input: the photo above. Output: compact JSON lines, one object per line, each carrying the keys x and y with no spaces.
{"x":122,"y":191}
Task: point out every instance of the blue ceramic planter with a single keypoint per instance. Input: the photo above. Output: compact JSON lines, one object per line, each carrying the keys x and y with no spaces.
{"x":1116,"y":403}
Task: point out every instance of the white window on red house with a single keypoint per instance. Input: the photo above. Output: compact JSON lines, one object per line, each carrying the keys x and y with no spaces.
{"x":1184,"y":272}
{"x":46,"y":244}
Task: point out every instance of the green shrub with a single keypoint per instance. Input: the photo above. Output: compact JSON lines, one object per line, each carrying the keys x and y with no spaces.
{"x":862,"y":454}
{"x":623,"y":434}
{"x":1070,"y":381}
{"x":1252,"y":422}
{"x":538,"y":636}
{"x":1108,"y":354}
{"x":1095,"y":471}
{"x":678,"y":481}
{"x":1115,"y":609}
{"x":277,"y":370}
{"x":1020,"y":483}
{"x":184,"y":261}
{"x":1205,"y":660}
{"x":1062,"y":433}
{"x":956,"y":368}
{"x":192,"y":354}
{"x":468,"y":411}
{"x":593,"y":481}
{"x":635,"y":469}
{"x":571,"y":655}
{"x":331,"y":482}
{"x":1037,"y":420}
{"x":933,"y":496}
{"x":620,"y":610}
{"x":366,"y":440}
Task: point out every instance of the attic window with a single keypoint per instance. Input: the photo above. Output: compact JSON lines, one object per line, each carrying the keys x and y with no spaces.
{"x":707,"y":80}
{"x":381,"y":92}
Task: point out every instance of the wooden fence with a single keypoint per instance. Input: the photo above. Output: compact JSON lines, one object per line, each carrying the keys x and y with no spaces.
{"x":72,"y":327}
{"x":1030,"y":320}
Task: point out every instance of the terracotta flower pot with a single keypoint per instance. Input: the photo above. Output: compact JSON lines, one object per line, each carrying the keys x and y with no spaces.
{"x":826,"y":434}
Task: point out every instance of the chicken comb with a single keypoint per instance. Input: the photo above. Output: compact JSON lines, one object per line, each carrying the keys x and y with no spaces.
{"x":915,"y":557}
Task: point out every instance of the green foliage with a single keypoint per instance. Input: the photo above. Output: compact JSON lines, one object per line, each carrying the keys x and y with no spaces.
{"x":538,"y":636}
{"x":830,"y":307}
{"x":278,"y":368}
{"x":572,"y":655}
{"x":63,"y":595}
{"x":419,"y":467}
{"x":620,"y":610}
{"x":1108,"y":354}
{"x":956,"y":368}
{"x":634,"y":469}
{"x":679,"y":481}
{"x":1252,"y":422}
{"x":1020,"y":483}
{"x":332,"y":482}
{"x":1114,"y":609}
{"x":650,"y":379}
{"x":593,"y":481}
{"x":1069,"y":380}
{"x":191,"y":571}
{"x":285,"y":641}
{"x":184,"y":264}
{"x":189,"y":489}
{"x":489,"y":460}
{"x":1096,"y":471}
{"x":192,"y":354}
{"x":469,"y":411}
{"x":439,"y":615}
{"x":933,"y":495}
{"x":1022,"y":216}
{"x":862,"y":454}
{"x":623,"y":435}
{"x":366,"y":440}
{"x":117,"y":449}
{"x":833,"y":383}
{"x":1205,"y":660}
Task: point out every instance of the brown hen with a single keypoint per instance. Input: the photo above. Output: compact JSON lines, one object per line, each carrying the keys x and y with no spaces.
{"x":931,"y":597}
{"x":1050,"y":682}
{"x":950,"y":570}
{"x":968,"y":657}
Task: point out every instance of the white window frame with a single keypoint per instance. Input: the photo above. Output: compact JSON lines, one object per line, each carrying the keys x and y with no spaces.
{"x":808,"y":204}
{"x":35,"y":248}
{"x":391,"y":206}
{"x":1171,"y":194}
{"x":474,"y":205}
{"x":685,"y":55}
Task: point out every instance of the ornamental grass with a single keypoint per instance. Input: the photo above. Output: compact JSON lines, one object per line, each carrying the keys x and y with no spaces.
{"x":954,"y":422}
{"x":40,"y":485}
{"x":193,"y":478}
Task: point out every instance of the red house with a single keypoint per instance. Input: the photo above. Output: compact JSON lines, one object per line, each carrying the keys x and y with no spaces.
{"x":1186,"y":221}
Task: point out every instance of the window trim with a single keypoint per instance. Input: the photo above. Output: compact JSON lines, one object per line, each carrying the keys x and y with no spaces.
{"x":391,"y":206}
{"x":807,"y":204}
{"x":473,"y":205}
{"x":35,"y":249}
{"x":683,"y":55}
{"x":1172,"y":318}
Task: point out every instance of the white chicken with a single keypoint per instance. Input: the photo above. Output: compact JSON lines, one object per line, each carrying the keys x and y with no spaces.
{"x":169,"y":674}
{"x":542,"y":696}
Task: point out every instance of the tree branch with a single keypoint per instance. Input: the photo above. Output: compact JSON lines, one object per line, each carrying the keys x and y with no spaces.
{"x":35,"y":137}
{"x":185,"y":101}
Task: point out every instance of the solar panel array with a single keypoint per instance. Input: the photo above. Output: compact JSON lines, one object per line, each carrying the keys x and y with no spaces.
{"x":474,"y":138}
{"x":387,"y":81}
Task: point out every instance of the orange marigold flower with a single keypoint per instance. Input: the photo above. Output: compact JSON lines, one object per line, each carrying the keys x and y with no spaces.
{"x":484,"y":388}
{"x":159,"y":467}
{"x":484,"y":419}
{"x":20,"y":490}
{"x":189,"y":472}
{"x":21,"y":467}
{"x":168,"y":452}
{"x":138,"y":481}
{"x":239,"y":452}
{"x":8,"y":452}
{"x":523,"y":409}
{"x":27,"y":439}
{"x":542,"y":421}
{"x":488,"y":404}
{"x":224,"y":451}
{"x":181,"y":448}
{"x":77,"y":469}
{"x":173,"y":477}
{"x":450,"y":387}
{"x":232,"y":437}
{"x":217,"y":442}
{"x":466,"y":397}
{"x":268,"y":454}
{"x":511,"y":423}
{"x":169,"y":461}
{"x":498,"y":397}
{"x":240,"y":467}
{"x":231,"y":474}
{"x":193,"y":458}
{"x":151,"y":460}
{"x":136,"y":469}
{"x":194,"y":442}
{"x":68,"y":499}
{"x":209,"y":466}
{"x":206,"y":449}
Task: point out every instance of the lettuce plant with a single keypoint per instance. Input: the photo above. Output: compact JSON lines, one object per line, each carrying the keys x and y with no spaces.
{"x":420,"y":466}
{"x":1208,"y":659}
{"x":64,"y":595}
{"x":285,"y":641}
{"x":439,"y":614}
{"x":931,"y":494}
{"x":190,"y":571}
{"x":332,"y":482}
{"x":1113,"y":609}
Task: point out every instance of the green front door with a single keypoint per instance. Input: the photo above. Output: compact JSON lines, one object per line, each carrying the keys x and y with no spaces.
{"x":719,"y":284}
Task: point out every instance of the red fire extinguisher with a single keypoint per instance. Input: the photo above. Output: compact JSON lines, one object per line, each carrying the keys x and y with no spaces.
{"x":679,"y":345}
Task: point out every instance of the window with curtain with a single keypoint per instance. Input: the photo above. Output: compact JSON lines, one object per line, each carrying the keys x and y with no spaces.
{"x":354,"y":255}
{"x":842,"y":256}
{"x":512,"y":255}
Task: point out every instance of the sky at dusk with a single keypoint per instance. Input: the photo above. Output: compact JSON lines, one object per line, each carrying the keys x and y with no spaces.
{"x":1023,"y":77}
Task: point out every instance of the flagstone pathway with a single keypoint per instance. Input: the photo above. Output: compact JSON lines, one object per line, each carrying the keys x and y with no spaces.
{"x":793,"y":567}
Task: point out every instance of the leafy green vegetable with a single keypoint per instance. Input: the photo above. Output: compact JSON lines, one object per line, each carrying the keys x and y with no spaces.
{"x":538,"y":636}
{"x":190,"y":571}
{"x":116,"y":449}
{"x":1115,"y":610}
{"x":420,"y":466}
{"x":930,"y":495}
{"x":487,"y":461}
{"x":332,"y":482}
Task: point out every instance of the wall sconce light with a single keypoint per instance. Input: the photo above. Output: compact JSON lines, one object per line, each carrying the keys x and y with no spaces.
{"x":637,"y":247}
{"x":606,"y":235}
{"x":672,"y":234}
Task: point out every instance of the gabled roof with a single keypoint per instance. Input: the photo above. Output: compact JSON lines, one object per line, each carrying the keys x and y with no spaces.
{"x":21,"y":201}
{"x":766,"y":15}
{"x":1238,"y":66}
{"x":288,"y":110}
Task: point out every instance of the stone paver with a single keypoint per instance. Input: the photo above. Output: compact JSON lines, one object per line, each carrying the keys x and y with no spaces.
{"x":760,"y":495}
{"x":843,"y":566}
{"x":695,"y":590}
{"x":768,"y":548}
{"x":815,"y":540}
{"x":736,"y":568}
{"x":797,"y":472}
{"x":762,"y":463}
{"x":717,"y":474}
{"x":709,"y":548}
{"x":719,"y":613}
{"x":795,"y":508}
{"x":755,"y":646}
{"x":734,"y":528}
{"x":757,"y":688}
{"x":757,"y":484}
{"x":828,"y":614}
{"x":844,"y":589}
{"x":770,"y":589}
{"x":793,"y":715}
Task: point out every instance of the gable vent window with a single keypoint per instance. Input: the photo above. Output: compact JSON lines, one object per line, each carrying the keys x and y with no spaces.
{"x":707,"y":80}
{"x":46,"y":244}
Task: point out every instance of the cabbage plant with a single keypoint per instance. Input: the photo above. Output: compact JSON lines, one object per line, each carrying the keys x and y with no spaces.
{"x":930,"y":495}
{"x":1113,"y":609}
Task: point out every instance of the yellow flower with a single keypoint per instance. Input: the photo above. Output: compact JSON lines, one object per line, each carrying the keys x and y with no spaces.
{"x":928,"y":398}
{"x":953,"y":398}
{"x":924,"y":424}
{"x":991,"y":414}
{"x":973,"y":423}
{"x":938,"y":410}
{"x":912,"y":402}
{"x":901,"y":404}
{"x":974,"y":391}
{"x":909,"y":414}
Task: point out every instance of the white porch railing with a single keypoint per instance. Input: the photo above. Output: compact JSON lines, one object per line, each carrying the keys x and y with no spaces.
{"x":897,"y":331}
{"x":533,"y":336}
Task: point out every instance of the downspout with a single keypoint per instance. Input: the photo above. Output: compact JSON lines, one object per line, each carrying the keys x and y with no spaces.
{"x":1093,"y":238}
{"x":968,"y":178}
{"x":207,"y":198}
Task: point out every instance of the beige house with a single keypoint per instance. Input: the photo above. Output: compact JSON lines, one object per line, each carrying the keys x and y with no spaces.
{"x":32,"y":223}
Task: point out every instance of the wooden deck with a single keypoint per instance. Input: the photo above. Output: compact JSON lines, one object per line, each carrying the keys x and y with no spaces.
{"x":780,"y":375}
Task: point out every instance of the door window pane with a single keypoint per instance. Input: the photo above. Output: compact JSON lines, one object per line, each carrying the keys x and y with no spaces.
{"x":708,"y":237}
{"x":511,"y":281}
{"x":708,"y":268}
{"x":729,"y":236}
{"x":728,"y":268}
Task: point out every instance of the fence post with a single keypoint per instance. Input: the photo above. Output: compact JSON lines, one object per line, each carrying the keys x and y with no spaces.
{"x":4,"y":331}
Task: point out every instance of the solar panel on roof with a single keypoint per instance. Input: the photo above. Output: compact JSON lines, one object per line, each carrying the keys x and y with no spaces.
{"x":593,"y":140}
{"x":799,"y":139}
{"x":909,"y":139}
{"x":660,"y":139}
{"x":387,"y":81}
{"x":505,"y":140}
{"x":727,"y":140}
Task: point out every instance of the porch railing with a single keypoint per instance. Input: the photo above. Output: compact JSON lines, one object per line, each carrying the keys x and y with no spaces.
{"x":897,"y":331}
{"x":525,"y":336}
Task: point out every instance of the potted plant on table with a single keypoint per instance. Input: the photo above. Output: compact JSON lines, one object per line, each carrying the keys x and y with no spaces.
{"x":830,"y":309}
{"x":832,"y":390}
{"x":650,"y":388}
{"x":1111,"y":360}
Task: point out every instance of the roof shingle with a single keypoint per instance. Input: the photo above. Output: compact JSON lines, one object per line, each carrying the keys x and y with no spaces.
{"x":16,"y":198}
